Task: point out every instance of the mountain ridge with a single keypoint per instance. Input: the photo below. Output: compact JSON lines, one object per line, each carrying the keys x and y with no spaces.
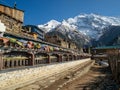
{"x":87,"y":26}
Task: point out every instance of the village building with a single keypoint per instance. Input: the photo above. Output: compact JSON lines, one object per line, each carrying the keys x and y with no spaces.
{"x":12,"y":18}
{"x":106,"y":50}
{"x":36,"y":32}
{"x":72,"y":45}
{"x":55,"y":39}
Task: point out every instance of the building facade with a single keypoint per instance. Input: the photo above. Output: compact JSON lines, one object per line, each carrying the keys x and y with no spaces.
{"x":35,"y":31}
{"x":55,"y":39}
{"x":72,"y":45}
{"x":12,"y":18}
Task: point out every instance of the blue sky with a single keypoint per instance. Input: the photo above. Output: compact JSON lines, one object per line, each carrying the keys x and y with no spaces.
{"x":42,"y":11}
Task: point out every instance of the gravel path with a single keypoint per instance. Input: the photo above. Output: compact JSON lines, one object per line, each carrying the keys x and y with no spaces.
{"x":98,"y":78}
{"x":18,"y":77}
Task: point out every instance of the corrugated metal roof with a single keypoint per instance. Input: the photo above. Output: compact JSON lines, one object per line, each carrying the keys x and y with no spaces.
{"x":108,"y":47}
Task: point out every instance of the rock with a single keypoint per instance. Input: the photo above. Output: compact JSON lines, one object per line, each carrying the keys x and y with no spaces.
{"x":34,"y":86}
{"x":52,"y":81}
{"x":45,"y":86}
{"x":60,"y":86}
{"x":24,"y":88}
{"x":67,"y":77}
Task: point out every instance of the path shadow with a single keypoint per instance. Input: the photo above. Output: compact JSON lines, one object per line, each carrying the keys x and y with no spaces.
{"x":103,"y":82}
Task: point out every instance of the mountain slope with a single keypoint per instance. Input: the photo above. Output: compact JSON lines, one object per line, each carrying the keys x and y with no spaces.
{"x":110,"y":37}
{"x":92,"y":25}
{"x":50,"y":25}
{"x":83,"y":28}
{"x":70,"y":34}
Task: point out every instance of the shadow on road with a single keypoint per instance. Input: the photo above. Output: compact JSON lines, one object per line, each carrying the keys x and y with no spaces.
{"x":101,"y":80}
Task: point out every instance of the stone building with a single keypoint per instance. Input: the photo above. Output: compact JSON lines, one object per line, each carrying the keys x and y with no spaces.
{"x":55,"y":39}
{"x":72,"y":45}
{"x":12,"y":18}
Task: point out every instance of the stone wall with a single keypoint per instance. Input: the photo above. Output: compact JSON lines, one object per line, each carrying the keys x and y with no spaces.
{"x":11,"y":24}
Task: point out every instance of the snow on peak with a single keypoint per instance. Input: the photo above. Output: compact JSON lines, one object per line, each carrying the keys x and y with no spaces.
{"x":92,"y":25}
{"x":65,"y":23}
{"x":50,"y":25}
{"x":53,"y":23}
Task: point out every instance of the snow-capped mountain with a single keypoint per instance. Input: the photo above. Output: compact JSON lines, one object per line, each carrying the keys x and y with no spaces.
{"x":50,"y":25}
{"x":70,"y":34}
{"x":87,"y":26}
{"x":111,"y":36}
{"x":92,"y":25}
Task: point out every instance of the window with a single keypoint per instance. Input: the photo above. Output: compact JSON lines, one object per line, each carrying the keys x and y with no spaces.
{"x":58,"y":41}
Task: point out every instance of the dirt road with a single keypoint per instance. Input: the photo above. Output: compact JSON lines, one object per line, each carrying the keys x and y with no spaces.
{"x":98,"y":78}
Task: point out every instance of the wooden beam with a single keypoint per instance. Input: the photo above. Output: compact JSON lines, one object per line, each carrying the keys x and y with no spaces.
{"x":1,"y":61}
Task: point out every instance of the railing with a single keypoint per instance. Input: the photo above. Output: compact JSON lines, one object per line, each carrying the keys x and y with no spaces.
{"x":16,"y":58}
{"x":30,"y":38}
